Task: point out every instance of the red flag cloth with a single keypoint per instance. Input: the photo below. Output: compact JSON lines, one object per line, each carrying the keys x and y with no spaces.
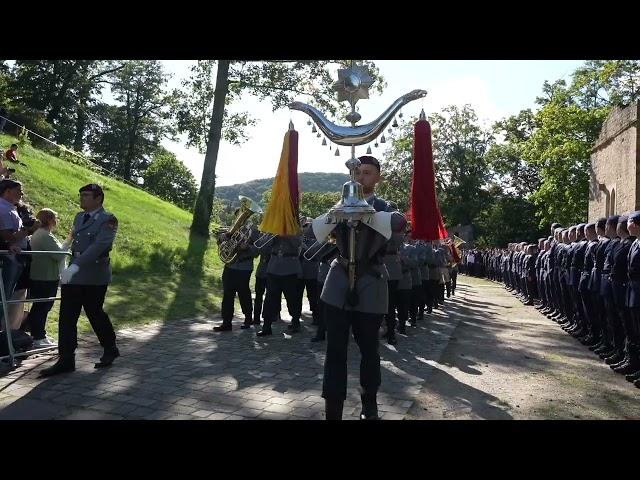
{"x":426,"y":220}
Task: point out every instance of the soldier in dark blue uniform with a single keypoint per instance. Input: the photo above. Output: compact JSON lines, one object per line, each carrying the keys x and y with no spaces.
{"x":586,"y":296}
{"x":633,"y":294}
{"x":622,"y":330}
{"x":604,"y":347}
{"x":84,"y":282}
{"x":606,"y":291}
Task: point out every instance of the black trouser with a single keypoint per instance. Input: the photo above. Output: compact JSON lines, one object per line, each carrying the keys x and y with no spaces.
{"x":435,"y":294}
{"x":321,"y":307}
{"x":235,"y":281}
{"x":390,"y":317}
{"x":39,"y":311}
{"x":416,"y":300}
{"x":261,"y":286}
{"x":427,"y":295}
{"x":91,"y":298}
{"x":311,"y":285}
{"x":277,"y":285}
{"x":454,"y":281}
{"x":612,"y":321}
{"x":588,"y":310}
{"x":403,"y":300}
{"x":365,"y":332}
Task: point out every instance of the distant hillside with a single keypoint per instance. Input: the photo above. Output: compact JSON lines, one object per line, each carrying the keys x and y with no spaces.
{"x":309,"y":182}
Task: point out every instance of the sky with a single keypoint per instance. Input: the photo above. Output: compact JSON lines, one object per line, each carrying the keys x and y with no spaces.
{"x":495,"y":89}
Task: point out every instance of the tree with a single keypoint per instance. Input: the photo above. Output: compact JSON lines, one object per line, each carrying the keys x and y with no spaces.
{"x":169,"y":178}
{"x":127,"y":134}
{"x":277,"y":81}
{"x":314,"y":204}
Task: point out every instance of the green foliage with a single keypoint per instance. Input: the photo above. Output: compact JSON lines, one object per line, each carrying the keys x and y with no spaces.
{"x":126,"y":135}
{"x":168,"y":178}
{"x":314,"y":204}
{"x":308,"y":181}
{"x":159,"y":273}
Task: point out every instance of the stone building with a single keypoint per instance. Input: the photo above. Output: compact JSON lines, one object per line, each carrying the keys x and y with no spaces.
{"x":615,"y":173}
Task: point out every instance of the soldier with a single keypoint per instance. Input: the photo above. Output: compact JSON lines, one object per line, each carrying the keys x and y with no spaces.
{"x":361,"y":311}
{"x":235,"y":279}
{"x":606,"y":291}
{"x":328,"y":253}
{"x":283,"y":273}
{"x":309,"y":278}
{"x":633,"y":295}
{"x":392,"y":263}
{"x":604,"y":349}
{"x":403,"y":297}
{"x":585,"y":293}
{"x":619,"y":278}
{"x":85,"y":281}
{"x":261,"y":281}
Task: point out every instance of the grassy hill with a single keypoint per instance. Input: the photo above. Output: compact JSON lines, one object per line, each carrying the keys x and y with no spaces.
{"x":158,"y":273}
{"x":309,"y":182}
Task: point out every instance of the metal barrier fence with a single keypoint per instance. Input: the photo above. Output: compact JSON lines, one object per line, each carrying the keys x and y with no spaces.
{"x":5,"y":315}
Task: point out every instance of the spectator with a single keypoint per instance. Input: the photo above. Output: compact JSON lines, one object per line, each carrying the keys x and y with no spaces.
{"x":13,"y":235}
{"x":11,"y":153}
{"x":45,"y":274}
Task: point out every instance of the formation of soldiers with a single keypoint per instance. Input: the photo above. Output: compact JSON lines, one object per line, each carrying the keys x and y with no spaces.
{"x":419,"y":275}
{"x":586,"y":278}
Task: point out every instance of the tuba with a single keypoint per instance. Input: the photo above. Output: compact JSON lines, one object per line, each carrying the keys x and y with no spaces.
{"x":240,"y":232}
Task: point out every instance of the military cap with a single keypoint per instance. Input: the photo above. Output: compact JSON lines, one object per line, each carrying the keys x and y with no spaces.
{"x":623,"y":219}
{"x":635,"y":216}
{"x":612,"y":220}
{"x":369,"y":160}
{"x":601,"y":223}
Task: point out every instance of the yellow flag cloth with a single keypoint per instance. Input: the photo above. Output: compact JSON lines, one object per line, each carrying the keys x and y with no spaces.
{"x":281,"y":216}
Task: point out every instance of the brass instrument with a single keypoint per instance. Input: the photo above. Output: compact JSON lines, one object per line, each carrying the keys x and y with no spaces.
{"x":318,"y":247}
{"x":457,"y":241}
{"x":264,"y":240}
{"x":240,"y":232}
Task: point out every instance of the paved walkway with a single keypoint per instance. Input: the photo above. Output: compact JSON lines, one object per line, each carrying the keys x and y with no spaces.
{"x":183,"y":370}
{"x":486,"y":356}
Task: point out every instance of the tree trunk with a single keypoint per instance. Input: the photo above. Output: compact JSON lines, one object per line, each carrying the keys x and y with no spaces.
{"x":81,"y":125}
{"x":204,"y":203}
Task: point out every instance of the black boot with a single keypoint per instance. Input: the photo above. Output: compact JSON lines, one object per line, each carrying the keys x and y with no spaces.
{"x":247,"y":323}
{"x":110,"y":354}
{"x":391,"y":338}
{"x":333,"y":409}
{"x":224,"y":327}
{"x":369,"y":407}
{"x":63,"y":365}
{"x":402,"y":328}
{"x":266,"y":330}
{"x":294,"y":326}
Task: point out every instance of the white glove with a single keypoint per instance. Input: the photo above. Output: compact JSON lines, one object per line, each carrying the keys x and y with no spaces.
{"x":67,"y":273}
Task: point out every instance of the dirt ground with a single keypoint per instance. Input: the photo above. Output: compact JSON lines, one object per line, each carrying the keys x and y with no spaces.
{"x":506,"y":361}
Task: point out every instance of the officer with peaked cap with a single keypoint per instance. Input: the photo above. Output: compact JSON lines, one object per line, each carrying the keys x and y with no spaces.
{"x":85,"y":281}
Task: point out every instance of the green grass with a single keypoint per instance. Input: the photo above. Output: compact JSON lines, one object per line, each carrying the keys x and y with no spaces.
{"x":158,"y":273}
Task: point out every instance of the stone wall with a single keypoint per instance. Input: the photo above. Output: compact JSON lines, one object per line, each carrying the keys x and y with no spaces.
{"x":614,"y":174}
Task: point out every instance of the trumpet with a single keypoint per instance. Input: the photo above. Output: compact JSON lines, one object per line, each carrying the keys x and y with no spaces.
{"x":264,"y":240}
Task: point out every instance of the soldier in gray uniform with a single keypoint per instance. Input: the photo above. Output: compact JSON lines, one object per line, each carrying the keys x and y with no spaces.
{"x":283,"y":272}
{"x":309,"y":278}
{"x":85,"y":281}
{"x":424,"y":251}
{"x":235,"y":279}
{"x":392,"y":263}
{"x":261,"y":281}
{"x":404,"y":285}
{"x":328,"y":252}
